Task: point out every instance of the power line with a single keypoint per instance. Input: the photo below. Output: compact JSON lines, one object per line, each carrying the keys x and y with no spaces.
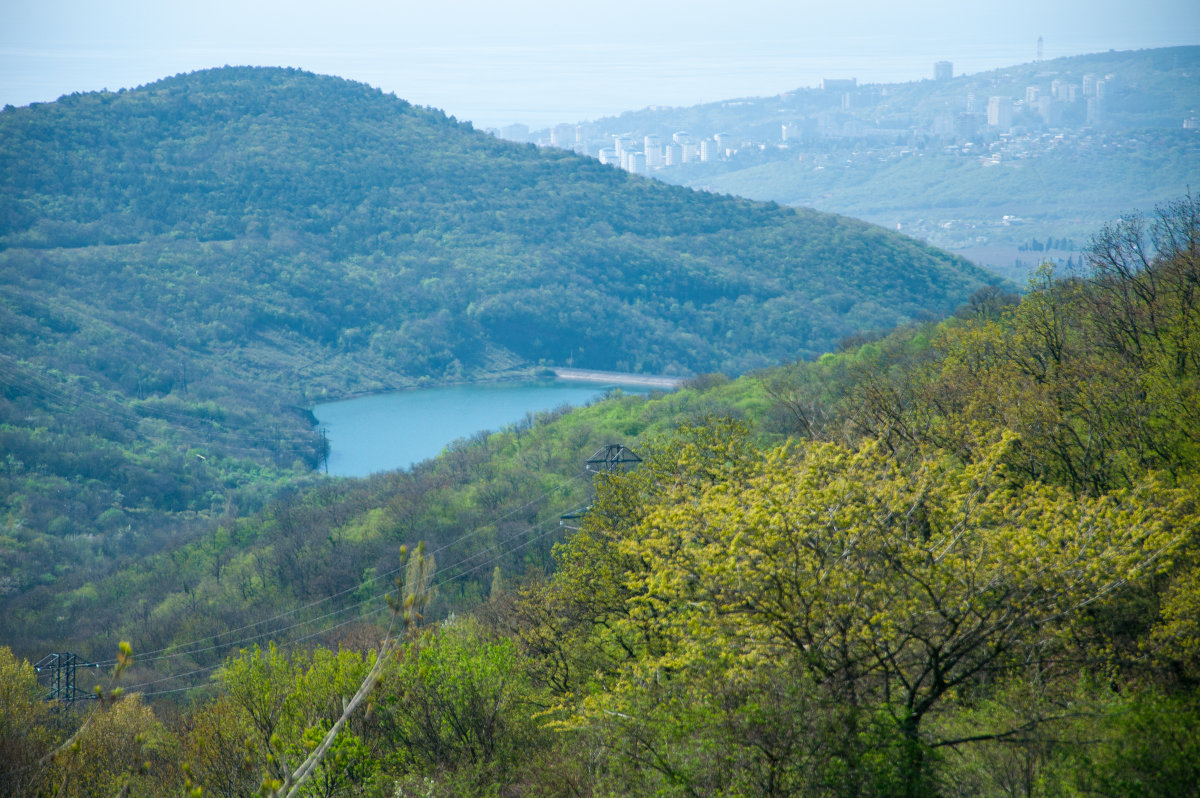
{"x":446,"y":571}
{"x":325,"y":630}
{"x":174,"y":649}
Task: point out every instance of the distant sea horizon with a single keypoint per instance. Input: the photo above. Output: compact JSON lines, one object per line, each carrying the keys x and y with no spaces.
{"x":538,"y":86}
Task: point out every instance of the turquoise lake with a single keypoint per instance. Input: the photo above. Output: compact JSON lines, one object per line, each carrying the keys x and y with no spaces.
{"x":383,"y":432}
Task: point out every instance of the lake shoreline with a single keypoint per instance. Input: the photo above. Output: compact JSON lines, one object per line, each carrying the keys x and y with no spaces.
{"x":396,"y":430}
{"x":518,"y":375}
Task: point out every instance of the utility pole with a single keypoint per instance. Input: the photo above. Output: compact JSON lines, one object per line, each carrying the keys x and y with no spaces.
{"x":61,"y":669}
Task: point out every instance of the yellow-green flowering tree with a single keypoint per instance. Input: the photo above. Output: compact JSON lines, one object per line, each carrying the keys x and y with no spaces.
{"x":884,"y":591}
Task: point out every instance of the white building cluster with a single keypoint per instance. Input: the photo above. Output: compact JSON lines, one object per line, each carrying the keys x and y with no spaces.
{"x":654,"y":152}
{"x":1048,"y":101}
{"x":839,"y":115}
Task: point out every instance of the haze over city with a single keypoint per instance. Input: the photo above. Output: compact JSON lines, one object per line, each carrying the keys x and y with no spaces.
{"x":539,"y":63}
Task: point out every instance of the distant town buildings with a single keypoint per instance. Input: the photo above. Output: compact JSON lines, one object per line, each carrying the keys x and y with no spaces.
{"x":1049,"y":110}
{"x":564,"y":136}
{"x":655,"y":156}
{"x":1000,"y":112}
{"x":1018,"y":118}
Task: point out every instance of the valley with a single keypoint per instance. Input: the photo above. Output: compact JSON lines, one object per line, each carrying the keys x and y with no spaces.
{"x":898,"y":529}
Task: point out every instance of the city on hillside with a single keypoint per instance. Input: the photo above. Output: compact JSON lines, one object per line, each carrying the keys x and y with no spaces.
{"x":1055,"y":108}
{"x":842,"y":147}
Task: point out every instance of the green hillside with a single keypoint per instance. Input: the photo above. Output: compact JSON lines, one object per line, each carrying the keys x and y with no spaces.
{"x":960,"y":559}
{"x":239,"y":204}
{"x":188,"y":266}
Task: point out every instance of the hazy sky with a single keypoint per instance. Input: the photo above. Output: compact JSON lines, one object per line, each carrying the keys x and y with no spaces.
{"x":500,"y":61}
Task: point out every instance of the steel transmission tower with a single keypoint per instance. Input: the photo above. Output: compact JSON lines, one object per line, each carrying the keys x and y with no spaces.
{"x":61,"y":669}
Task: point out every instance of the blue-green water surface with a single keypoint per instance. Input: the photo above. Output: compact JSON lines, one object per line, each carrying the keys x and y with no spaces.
{"x":383,"y":432}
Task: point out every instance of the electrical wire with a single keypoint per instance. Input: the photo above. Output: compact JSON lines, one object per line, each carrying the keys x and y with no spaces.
{"x":183,"y":649}
{"x":325,"y":630}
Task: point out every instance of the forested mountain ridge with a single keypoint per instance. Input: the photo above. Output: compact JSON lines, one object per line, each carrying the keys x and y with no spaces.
{"x":356,"y":206}
{"x":189,"y":265}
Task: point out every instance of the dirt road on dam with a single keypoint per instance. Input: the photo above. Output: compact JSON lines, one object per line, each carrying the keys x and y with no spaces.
{"x":648,"y":380}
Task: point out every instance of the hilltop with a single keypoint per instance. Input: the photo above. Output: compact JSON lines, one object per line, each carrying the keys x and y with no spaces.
{"x":368,"y":218}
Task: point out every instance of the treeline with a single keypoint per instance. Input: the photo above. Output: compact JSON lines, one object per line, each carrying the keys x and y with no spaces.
{"x":960,"y":559}
{"x":1034,"y":245}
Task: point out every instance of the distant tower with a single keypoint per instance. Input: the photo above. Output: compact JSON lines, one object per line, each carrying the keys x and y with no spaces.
{"x":1039,"y":48}
{"x":943,"y":70}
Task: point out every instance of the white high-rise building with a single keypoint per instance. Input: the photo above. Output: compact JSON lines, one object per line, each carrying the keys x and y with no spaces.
{"x":1000,"y":112}
{"x":1049,"y":110}
{"x":653,"y":147}
{"x":623,"y":144}
{"x":563,"y":136}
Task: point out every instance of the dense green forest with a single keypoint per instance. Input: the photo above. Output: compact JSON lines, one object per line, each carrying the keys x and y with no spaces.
{"x":188,"y":266}
{"x":962,"y":558}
